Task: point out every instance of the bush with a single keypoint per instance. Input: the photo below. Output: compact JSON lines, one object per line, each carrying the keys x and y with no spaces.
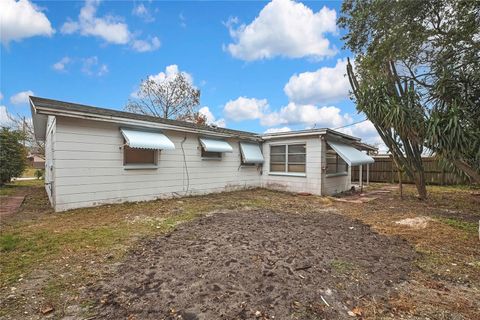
{"x":13,"y":155}
{"x":39,"y":173}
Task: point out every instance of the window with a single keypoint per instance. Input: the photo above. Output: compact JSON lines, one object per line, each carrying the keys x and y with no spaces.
{"x":211,"y":154}
{"x":335,"y":164}
{"x":251,"y":154}
{"x":213,"y":148}
{"x":136,"y":156}
{"x":288,"y":158}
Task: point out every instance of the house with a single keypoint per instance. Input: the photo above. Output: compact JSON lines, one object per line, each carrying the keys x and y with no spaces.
{"x":36,"y":161}
{"x":96,"y":156}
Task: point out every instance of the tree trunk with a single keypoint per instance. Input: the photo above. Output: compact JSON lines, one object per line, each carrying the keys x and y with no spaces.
{"x":468,"y":170}
{"x":420,"y":184}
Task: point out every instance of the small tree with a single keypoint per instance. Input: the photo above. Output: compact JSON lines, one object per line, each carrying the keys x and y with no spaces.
{"x":172,"y":98}
{"x":12,"y":155}
{"x":20,"y":123}
{"x":38,"y":174}
{"x":395,"y":110}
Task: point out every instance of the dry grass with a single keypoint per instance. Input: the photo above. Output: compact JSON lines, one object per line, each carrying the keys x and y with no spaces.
{"x":53,"y":256}
{"x":447,"y":283}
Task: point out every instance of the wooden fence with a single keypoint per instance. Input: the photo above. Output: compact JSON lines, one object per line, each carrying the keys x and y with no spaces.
{"x":384,"y":170}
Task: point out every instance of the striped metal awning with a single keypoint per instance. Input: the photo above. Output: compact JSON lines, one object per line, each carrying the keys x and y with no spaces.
{"x":215,"y":145}
{"x":251,"y":152}
{"x":147,"y":139}
{"x":351,"y":155}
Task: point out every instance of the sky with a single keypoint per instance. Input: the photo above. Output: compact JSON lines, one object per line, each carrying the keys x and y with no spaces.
{"x":260,"y":66}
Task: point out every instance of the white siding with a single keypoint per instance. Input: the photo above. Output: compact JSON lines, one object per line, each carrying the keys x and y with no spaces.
{"x":49,"y":158}
{"x":333,"y":184}
{"x":89,"y":168}
{"x":310,"y":182}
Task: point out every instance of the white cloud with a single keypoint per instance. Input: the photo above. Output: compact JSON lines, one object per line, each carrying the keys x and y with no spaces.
{"x":310,"y":115}
{"x":91,"y":66}
{"x":166,"y":76}
{"x":142,"y":12}
{"x":244,"y":108}
{"x":183,"y":20}
{"x":22,"y":19}
{"x":170,"y":74}
{"x":211,"y":118}
{"x":146,"y":45}
{"x":283,"y":28}
{"x":21,"y":97}
{"x":276,"y":130}
{"x":5,"y":117}
{"x":110,"y":28}
{"x":367,"y":132}
{"x":321,"y":86}
{"x":61,"y":64}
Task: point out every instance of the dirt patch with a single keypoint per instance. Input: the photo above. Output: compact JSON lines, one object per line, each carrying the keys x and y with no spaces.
{"x":416,"y":223}
{"x":256,"y":264}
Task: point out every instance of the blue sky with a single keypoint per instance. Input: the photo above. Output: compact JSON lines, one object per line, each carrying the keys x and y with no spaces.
{"x":259,"y":65}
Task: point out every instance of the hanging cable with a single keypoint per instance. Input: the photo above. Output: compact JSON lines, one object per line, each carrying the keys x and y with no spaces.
{"x":351,"y":124}
{"x":185,"y":165}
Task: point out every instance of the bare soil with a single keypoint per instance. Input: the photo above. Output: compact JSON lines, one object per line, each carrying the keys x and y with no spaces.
{"x":256,"y":264}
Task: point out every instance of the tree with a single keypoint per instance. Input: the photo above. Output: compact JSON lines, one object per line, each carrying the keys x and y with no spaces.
{"x":172,"y":98}
{"x":13,"y":155}
{"x":20,"y":123}
{"x":394,"y":109}
{"x":436,"y":45}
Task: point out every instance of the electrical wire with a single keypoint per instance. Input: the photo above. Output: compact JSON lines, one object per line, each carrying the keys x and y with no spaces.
{"x":185,"y":165}
{"x":351,"y":124}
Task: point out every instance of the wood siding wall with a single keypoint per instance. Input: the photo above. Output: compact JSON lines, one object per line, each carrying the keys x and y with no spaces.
{"x":89,"y":169}
{"x":384,"y":170}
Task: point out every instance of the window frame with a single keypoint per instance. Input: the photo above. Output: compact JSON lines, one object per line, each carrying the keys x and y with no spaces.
{"x":210,"y":155}
{"x":337,"y":164}
{"x":286,"y":163}
{"x":133,"y":165}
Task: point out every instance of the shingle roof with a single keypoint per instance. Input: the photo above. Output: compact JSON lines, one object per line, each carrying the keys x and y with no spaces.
{"x":75,"y":107}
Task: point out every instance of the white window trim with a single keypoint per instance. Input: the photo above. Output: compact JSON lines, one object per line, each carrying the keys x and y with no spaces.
{"x":202,"y":150}
{"x":286,"y":173}
{"x":338,"y":174}
{"x":141,"y":166}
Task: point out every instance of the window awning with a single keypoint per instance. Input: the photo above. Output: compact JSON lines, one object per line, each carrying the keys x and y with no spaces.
{"x":351,"y":155}
{"x":251,"y":152}
{"x":147,"y":140}
{"x":214,"y":145}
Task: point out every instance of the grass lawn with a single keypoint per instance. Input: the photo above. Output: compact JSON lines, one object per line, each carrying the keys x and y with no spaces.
{"x":47,"y":259}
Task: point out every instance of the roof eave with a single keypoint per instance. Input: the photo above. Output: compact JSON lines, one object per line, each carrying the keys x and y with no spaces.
{"x":41,"y":110}
{"x":39,"y":122}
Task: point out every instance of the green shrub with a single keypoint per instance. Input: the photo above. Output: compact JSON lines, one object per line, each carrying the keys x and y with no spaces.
{"x":13,"y":155}
{"x":39,"y":173}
